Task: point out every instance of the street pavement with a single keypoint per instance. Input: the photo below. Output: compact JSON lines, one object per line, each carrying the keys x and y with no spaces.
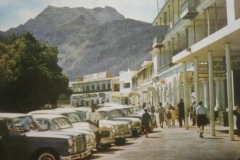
{"x":176,"y":143}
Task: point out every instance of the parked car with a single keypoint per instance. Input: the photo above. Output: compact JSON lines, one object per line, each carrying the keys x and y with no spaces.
{"x":128,"y":111}
{"x":54,"y":122}
{"x":112,"y":114}
{"x":121,"y":129}
{"x":26,"y":141}
{"x":106,"y":133}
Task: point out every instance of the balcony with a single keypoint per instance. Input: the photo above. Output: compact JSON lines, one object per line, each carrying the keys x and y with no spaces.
{"x":189,"y":9}
{"x":159,"y":36}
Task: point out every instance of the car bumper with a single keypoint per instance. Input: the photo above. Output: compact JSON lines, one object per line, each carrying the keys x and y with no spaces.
{"x":123,"y":134}
{"x":76,"y":156}
{"x":135,"y":129}
{"x":107,"y":141}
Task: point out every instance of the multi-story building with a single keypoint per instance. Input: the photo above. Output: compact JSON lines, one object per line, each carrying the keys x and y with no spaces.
{"x":102,"y":87}
{"x":125,"y":81}
{"x":142,"y":89}
{"x":196,"y":54}
{"x":95,"y":88}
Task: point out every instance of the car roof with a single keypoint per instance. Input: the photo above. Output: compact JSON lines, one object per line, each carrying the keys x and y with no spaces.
{"x":47,"y":116}
{"x":106,"y":109}
{"x":12,"y":115}
{"x":50,"y":112}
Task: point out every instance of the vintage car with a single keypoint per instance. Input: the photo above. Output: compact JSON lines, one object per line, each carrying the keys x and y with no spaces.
{"x":121,"y":129}
{"x":128,"y":111}
{"x":26,"y":141}
{"x":112,"y":114}
{"x":106,"y":132}
{"x":54,"y":122}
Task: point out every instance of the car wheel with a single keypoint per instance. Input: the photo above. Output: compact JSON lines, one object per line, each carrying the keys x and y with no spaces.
{"x":46,"y":156}
{"x":120,"y":141}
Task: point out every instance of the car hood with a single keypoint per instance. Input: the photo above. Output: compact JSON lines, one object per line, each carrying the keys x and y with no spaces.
{"x":128,"y":119}
{"x":49,"y":134}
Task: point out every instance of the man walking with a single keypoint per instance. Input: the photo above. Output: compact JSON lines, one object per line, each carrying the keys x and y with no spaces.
{"x":146,"y":121}
{"x":201,"y":113}
{"x":161,"y":112}
{"x":181,"y":112}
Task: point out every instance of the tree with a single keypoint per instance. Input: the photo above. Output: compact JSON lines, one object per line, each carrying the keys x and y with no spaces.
{"x":29,"y":74}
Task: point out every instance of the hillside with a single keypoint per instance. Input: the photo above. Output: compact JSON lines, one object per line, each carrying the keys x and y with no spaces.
{"x":92,"y":40}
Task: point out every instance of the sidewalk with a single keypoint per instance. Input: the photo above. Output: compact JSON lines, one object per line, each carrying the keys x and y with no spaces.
{"x":176,"y":143}
{"x":182,"y":144}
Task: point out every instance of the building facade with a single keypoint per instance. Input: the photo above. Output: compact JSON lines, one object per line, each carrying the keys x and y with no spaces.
{"x":196,"y":54}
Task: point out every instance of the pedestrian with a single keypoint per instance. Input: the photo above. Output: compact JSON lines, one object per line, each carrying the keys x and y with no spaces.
{"x":161,"y":113}
{"x":148,"y":107}
{"x":201,"y":113}
{"x":174,"y":116}
{"x":168,"y":116}
{"x":93,"y":118}
{"x":146,"y":121}
{"x":193,"y":113}
{"x":236,"y":112}
{"x":181,"y":112}
{"x":152,"y":109}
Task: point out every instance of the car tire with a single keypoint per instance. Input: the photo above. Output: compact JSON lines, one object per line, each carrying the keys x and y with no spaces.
{"x":46,"y":156}
{"x":120,"y":141}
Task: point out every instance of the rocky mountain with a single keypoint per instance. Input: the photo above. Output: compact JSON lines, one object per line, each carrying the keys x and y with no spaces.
{"x":92,"y":40}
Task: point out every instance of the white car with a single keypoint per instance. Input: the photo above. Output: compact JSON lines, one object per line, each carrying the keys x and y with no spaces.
{"x":121,"y":128}
{"x":106,"y":133}
{"x":112,"y":114}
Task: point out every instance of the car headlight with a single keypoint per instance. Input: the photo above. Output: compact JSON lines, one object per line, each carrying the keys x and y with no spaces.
{"x":71,"y":145}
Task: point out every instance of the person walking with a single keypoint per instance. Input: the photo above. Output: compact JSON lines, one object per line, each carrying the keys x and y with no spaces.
{"x":181,"y":112}
{"x":93,"y":118}
{"x":236,"y":112}
{"x":193,"y":113}
{"x":169,"y":116}
{"x":174,"y":116}
{"x":161,"y":113}
{"x":146,"y":121}
{"x":201,"y":113}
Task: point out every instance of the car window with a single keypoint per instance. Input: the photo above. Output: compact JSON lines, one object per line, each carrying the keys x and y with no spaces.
{"x":24,"y":124}
{"x":61,"y":123}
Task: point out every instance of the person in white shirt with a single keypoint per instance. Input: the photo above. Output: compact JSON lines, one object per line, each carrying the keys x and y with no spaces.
{"x":93,"y":118}
{"x":201,"y":113}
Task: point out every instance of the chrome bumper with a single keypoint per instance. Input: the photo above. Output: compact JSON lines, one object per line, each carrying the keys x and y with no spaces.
{"x":76,"y":156}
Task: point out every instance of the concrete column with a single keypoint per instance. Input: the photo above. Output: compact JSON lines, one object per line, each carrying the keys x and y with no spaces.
{"x":196,"y":85}
{"x":218,"y":94}
{"x":211,"y":90}
{"x":229,"y":91}
{"x":201,"y":92}
{"x":230,"y":11}
{"x":185,"y":95}
{"x":223,"y":98}
{"x":206,"y":94}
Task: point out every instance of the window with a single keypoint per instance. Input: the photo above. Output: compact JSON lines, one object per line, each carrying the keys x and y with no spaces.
{"x":116,"y":87}
{"x":126,"y":85}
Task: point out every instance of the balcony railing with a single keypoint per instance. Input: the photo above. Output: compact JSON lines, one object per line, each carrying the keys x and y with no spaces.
{"x":159,"y":36}
{"x":189,"y":9}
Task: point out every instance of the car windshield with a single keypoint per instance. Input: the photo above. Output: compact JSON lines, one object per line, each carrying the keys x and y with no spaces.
{"x":114,"y":114}
{"x":23,"y":124}
{"x":102,"y":114}
{"x":82,"y":114}
{"x":125,"y":111}
{"x":73,"y":117}
{"x":61,"y":123}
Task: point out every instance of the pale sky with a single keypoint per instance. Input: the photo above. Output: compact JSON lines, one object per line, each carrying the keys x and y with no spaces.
{"x":16,"y":12}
